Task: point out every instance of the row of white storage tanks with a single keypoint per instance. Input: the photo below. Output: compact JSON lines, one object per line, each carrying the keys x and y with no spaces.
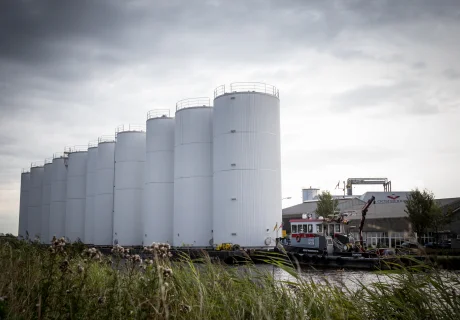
{"x":210,"y":175}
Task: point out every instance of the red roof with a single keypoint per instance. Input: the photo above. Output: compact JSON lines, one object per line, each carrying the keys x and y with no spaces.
{"x":306,"y":220}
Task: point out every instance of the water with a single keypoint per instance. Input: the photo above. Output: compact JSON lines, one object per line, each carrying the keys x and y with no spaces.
{"x":351,"y":279}
{"x":340,"y":277}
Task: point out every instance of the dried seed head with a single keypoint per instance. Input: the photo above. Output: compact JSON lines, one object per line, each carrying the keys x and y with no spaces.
{"x":185,"y":308}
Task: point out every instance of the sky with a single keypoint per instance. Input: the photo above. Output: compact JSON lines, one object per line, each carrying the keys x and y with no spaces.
{"x":367,"y":88}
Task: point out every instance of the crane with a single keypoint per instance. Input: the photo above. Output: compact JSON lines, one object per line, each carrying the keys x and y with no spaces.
{"x":363,"y":218}
{"x":383,"y":181}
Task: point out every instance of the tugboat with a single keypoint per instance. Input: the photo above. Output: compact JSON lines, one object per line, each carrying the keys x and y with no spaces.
{"x":314,"y":236}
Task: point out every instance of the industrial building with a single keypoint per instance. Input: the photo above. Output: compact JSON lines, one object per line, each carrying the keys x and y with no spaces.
{"x":386,"y":223}
{"x":209,"y":175}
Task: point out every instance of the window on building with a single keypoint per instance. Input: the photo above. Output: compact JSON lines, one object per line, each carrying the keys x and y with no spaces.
{"x":377,"y":239}
{"x":337,"y":228}
{"x":310,"y":228}
{"x":294,"y":228}
{"x":427,"y":237}
{"x":319,"y":228}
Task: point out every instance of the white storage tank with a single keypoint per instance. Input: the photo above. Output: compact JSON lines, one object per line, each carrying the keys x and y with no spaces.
{"x":103,"y":200}
{"x":193,"y":173}
{"x":58,"y":196}
{"x":46,"y":199}
{"x":247,"y":165}
{"x":129,"y":183}
{"x":91,"y":181}
{"x":158,"y":196}
{"x":24,"y":203}
{"x":34,"y":212}
{"x":76,"y":193}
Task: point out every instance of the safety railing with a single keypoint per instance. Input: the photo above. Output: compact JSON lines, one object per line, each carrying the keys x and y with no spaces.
{"x":72,"y":149}
{"x":220,"y":90}
{"x":92,"y":144}
{"x":259,"y":87}
{"x":130,"y":127}
{"x":59,"y":155}
{"x":158,"y":113}
{"x":103,"y":139}
{"x":193,"y":102}
{"x":37,"y":164}
{"x":25,"y":170}
{"x":48,"y":160}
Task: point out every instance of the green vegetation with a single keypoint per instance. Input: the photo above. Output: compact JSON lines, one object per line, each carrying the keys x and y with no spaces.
{"x":424,"y":214}
{"x":65,"y":281}
{"x":327,"y":205}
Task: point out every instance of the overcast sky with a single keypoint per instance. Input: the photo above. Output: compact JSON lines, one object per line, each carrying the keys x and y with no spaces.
{"x":367,"y":88}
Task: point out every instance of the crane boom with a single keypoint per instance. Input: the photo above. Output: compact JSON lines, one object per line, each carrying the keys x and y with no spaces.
{"x":363,"y":218}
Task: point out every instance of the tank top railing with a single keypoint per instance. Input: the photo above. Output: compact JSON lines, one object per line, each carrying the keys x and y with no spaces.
{"x":59,"y":155}
{"x":37,"y":164}
{"x":25,"y":170}
{"x":259,"y":87}
{"x":48,"y":160}
{"x":220,"y":90}
{"x":130,"y":127}
{"x":158,"y":113}
{"x":103,"y":139}
{"x":73,"y":149}
{"x":92,"y":144}
{"x":193,"y":102}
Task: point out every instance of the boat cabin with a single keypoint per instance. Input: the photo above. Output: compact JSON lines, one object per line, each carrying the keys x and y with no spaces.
{"x":312,"y":225}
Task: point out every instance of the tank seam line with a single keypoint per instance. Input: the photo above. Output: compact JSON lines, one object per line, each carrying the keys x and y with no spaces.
{"x":159,"y":182}
{"x":160,"y":151}
{"x":184,"y":144}
{"x":273,"y":170}
{"x":210,"y":176}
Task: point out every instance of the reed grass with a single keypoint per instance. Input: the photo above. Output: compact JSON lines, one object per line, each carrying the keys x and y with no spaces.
{"x":70,"y":282}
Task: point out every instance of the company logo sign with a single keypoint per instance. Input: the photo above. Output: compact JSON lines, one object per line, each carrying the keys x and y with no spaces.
{"x":390,"y":199}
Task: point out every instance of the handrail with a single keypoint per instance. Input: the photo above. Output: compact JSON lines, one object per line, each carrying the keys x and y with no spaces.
{"x":220,"y":90}
{"x":92,"y":144}
{"x":80,"y":148}
{"x":25,"y":170}
{"x":129,"y":127}
{"x":36,"y":164}
{"x":102,"y":139}
{"x":248,"y":87}
{"x":193,"y":102}
{"x":158,"y":113}
{"x":59,"y":155}
{"x":48,"y":160}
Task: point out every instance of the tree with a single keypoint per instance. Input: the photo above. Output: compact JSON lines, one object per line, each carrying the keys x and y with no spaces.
{"x":440,"y":219}
{"x":419,"y":208}
{"x":326,"y":205}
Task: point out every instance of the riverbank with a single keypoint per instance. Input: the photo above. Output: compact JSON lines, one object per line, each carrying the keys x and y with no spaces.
{"x":69,"y":281}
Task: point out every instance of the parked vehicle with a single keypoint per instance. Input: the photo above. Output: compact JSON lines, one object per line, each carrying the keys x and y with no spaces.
{"x":447,"y":244}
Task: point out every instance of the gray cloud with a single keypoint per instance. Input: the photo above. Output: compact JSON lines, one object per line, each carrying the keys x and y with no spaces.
{"x":452,"y":74}
{"x":73,"y":70}
{"x":401,"y":97}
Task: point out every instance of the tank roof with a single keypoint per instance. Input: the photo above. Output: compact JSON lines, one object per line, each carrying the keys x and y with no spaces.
{"x":158,"y":114}
{"x":198,"y":102}
{"x":129,"y":128}
{"x":105,"y":139}
{"x":245,"y":87}
{"x":37,"y":164}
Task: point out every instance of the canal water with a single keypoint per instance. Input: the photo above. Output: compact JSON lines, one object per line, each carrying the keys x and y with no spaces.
{"x":351,"y":279}
{"x":340,"y":277}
